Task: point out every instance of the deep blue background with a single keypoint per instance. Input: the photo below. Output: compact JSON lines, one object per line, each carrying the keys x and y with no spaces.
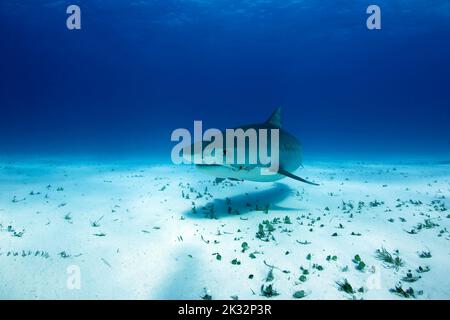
{"x":138,"y":70}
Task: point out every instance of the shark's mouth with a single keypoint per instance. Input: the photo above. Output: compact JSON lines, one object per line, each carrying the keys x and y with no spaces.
{"x":208,"y":165}
{"x":231,"y":167}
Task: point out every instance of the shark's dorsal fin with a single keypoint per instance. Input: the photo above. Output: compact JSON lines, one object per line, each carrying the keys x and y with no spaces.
{"x":275,"y":118}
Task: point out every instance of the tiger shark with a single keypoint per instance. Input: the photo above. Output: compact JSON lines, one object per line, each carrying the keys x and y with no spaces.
{"x":289,"y":157}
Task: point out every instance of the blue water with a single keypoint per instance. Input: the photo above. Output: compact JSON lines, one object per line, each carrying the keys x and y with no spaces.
{"x":139,"y":69}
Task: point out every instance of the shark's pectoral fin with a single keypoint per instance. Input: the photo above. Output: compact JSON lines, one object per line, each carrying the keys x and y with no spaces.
{"x":293,"y":176}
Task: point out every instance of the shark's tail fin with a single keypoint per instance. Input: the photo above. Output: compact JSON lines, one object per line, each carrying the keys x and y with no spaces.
{"x":275,"y":118}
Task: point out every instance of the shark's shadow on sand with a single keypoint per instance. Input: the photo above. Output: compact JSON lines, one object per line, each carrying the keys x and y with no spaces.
{"x":241,"y":204}
{"x":182,"y":282}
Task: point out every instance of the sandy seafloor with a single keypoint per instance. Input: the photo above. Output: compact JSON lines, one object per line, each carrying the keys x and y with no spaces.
{"x":132,"y":232}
